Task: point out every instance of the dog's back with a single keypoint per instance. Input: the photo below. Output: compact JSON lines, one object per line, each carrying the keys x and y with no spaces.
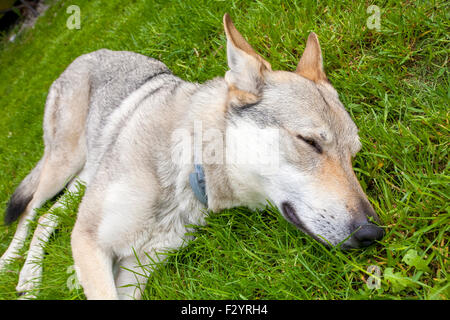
{"x":81,"y":103}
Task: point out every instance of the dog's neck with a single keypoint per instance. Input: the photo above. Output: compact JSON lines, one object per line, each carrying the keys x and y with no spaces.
{"x":208,"y":110}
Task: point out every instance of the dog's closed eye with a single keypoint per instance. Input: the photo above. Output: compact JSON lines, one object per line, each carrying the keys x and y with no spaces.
{"x":313,"y":143}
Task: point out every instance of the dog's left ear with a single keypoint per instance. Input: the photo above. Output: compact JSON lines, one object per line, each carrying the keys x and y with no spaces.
{"x":310,"y":65}
{"x":247,"y":68}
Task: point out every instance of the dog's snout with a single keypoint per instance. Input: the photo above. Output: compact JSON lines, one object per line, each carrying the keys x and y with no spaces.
{"x":366,"y":234}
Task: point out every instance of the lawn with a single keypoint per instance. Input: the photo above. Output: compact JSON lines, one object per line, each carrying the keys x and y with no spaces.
{"x":393,"y":80}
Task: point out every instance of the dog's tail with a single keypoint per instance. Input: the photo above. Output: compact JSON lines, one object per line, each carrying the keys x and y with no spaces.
{"x":23,"y":194}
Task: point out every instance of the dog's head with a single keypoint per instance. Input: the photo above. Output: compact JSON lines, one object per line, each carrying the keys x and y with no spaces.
{"x":313,"y":183}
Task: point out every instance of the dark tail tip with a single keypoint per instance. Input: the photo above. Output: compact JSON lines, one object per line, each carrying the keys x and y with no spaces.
{"x":17,"y":204}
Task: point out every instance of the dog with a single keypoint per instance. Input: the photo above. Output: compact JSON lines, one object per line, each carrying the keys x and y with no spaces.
{"x":150,"y":149}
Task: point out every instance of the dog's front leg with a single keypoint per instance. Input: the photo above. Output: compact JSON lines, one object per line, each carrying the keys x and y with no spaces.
{"x":132,"y":276}
{"x":93,"y":266}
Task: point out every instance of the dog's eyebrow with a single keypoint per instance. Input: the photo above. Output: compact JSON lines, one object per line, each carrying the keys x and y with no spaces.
{"x":353,"y":149}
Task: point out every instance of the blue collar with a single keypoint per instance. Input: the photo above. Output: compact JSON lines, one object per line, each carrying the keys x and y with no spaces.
{"x":197,"y":182}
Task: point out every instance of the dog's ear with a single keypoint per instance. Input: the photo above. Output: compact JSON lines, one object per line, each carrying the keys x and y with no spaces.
{"x":310,"y":65}
{"x":247,"y":68}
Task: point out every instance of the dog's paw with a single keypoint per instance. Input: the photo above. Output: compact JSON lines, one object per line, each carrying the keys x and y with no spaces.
{"x":26,"y":296}
{"x":29,"y":281}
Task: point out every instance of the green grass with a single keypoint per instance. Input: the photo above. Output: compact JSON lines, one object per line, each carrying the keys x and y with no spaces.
{"x":394,"y":82}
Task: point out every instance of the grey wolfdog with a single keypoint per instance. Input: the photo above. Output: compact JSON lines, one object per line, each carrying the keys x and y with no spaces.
{"x":128,"y":128}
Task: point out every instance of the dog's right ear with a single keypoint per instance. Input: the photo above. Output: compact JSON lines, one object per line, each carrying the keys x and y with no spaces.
{"x":310,"y":65}
{"x":246,"y":74}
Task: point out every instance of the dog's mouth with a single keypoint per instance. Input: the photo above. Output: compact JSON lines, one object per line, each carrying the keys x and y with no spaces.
{"x":290,"y":215}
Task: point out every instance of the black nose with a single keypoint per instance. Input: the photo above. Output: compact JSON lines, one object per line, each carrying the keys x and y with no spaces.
{"x":367,"y":234}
